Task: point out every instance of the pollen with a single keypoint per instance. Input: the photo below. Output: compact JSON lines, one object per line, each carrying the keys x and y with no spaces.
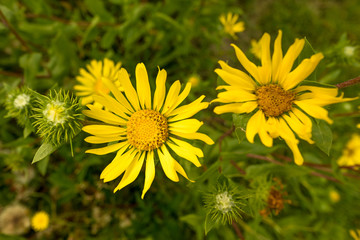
{"x":55,"y":112}
{"x":273,"y":100}
{"x":147,"y":130}
{"x":21,"y":100}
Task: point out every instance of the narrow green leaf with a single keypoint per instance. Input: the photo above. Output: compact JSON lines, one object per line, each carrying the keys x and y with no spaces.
{"x":44,"y":150}
{"x":42,"y":165}
{"x":28,"y":129}
{"x":209,"y":223}
{"x":322,"y":135}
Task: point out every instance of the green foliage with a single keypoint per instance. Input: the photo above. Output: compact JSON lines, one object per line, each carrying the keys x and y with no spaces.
{"x":44,"y":44}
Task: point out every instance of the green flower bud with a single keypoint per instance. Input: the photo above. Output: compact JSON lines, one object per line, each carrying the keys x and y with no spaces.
{"x":58,"y":117}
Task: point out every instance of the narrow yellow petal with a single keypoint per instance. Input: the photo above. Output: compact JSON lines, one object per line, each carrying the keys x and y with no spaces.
{"x":87,"y":75}
{"x":117,"y":94}
{"x":113,"y":105}
{"x":130,"y":92}
{"x":246,"y":107}
{"x":253,"y":125}
{"x":82,"y":88}
{"x":167,"y":163}
{"x":86,"y":82}
{"x":107,"y":149}
{"x":306,"y":67}
{"x":185,"y":126}
{"x":237,"y":96}
{"x":313,"y":110}
{"x":104,"y":116}
{"x":143,"y":86}
{"x":197,"y":151}
{"x":188,"y":107}
{"x":179,"y":99}
{"x":160,"y":90}
{"x":298,"y":127}
{"x":103,"y":130}
{"x":242,"y":81}
{"x":119,"y":164}
{"x":86,"y":100}
{"x":249,"y":66}
{"x":131,"y":173}
{"x":185,"y":153}
{"x":195,"y":135}
{"x":180,"y":169}
{"x":98,"y":140}
{"x":171,"y":96}
{"x":265,"y":69}
{"x":277,"y":57}
{"x":149,"y":172}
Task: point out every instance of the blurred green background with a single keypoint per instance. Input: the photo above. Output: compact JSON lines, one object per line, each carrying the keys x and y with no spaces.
{"x":44,"y":43}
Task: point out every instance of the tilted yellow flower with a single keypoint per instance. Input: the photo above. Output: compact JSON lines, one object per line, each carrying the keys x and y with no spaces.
{"x":280,"y":106}
{"x":351,"y":153}
{"x":90,"y":80}
{"x":40,"y":221}
{"x":145,"y":129}
{"x":231,"y":26}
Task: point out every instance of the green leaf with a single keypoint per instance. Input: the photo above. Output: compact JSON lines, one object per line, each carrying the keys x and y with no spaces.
{"x":210,"y":223}
{"x":108,"y":39}
{"x":322,"y":135}
{"x":44,"y":150}
{"x":240,"y":121}
{"x":97,"y":8}
{"x":28,"y":129}
{"x":42,"y":165}
{"x":30,"y":62}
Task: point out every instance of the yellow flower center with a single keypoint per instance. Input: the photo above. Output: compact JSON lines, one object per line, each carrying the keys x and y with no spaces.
{"x":147,"y":130}
{"x":273,"y":100}
{"x":100,"y":87}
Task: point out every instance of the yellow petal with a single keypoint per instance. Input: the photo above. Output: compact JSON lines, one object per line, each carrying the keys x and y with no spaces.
{"x":185,"y":153}
{"x":171,"y":96}
{"x":235,"y":96}
{"x":197,"y":151}
{"x":87,"y":75}
{"x":265,"y":69}
{"x":313,"y":110}
{"x":82,"y":88}
{"x":160,"y":90}
{"x":104,"y":116}
{"x":246,"y":107}
{"x":167,"y":163}
{"x":179,"y":99}
{"x":298,"y":127}
{"x":253,"y":125}
{"x":100,"y":130}
{"x":143,"y":86}
{"x":149,"y":172}
{"x":188,"y":107}
{"x":243,"y":81}
{"x":117,"y":94}
{"x":306,"y":67}
{"x":119,"y":164}
{"x":180,"y":169}
{"x":249,"y":66}
{"x":132,"y":172}
{"x":277,"y":57}
{"x":185,"y":126}
{"x":113,"y":105}
{"x":98,"y":140}
{"x":107,"y":149}
{"x":86,"y":82}
{"x":129,"y":90}
{"x":196,"y":135}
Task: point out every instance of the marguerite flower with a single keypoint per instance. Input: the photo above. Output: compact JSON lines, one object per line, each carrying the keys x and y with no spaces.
{"x":231,"y":26}
{"x":280,"y":106}
{"x":351,"y":153}
{"x":91,"y":80}
{"x":145,"y":129}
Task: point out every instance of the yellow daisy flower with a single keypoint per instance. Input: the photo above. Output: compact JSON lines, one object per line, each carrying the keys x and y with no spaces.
{"x":255,"y":48}
{"x":145,"y":129}
{"x":40,"y":221}
{"x":351,"y":153}
{"x":355,"y":234}
{"x":280,"y":106}
{"x":231,"y":26}
{"x":90,"y":80}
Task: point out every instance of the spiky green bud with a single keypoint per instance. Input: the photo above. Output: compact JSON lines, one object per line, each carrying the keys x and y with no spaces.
{"x":58,"y":117}
{"x":19,"y":104}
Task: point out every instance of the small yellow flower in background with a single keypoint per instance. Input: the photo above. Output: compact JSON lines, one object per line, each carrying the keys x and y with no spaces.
{"x":358,"y":125}
{"x":351,"y":153}
{"x":280,"y":106}
{"x":255,"y":48}
{"x":355,"y":235}
{"x":145,"y":129}
{"x":231,"y":26}
{"x":334,"y":196}
{"x":91,"y":79}
{"x":40,"y":221}
{"x":194,"y":79}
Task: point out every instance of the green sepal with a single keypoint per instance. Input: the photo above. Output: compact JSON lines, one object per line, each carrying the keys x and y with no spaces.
{"x":322,"y":135}
{"x":44,"y":150}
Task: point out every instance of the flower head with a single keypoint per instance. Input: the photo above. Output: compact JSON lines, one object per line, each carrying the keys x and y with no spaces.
{"x":255,"y":48}
{"x":355,"y":234}
{"x":145,"y":129}
{"x":58,"y":117}
{"x":194,"y":79}
{"x":14,"y":220}
{"x":19,"y":104}
{"x":279,"y":105}
{"x":231,"y":26}
{"x":351,"y":153}
{"x":40,"y":221}
{"x":90,"y":81}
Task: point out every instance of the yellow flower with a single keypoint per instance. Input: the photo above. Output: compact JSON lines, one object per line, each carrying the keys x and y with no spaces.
{"x":145,"y":129}
{"x":355,"y":235}
{"x":40,"y":221}
{"x":194,"y":79}
{"x":351,"y":153}
{"x":230,"y":24}
{"x":91,"y":80}
{"x":280,"y":106}
{"x":255,"y":48}
{"x":334,"y":196}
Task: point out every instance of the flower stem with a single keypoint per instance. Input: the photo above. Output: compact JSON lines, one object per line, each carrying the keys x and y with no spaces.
{"x":348,"y":83}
